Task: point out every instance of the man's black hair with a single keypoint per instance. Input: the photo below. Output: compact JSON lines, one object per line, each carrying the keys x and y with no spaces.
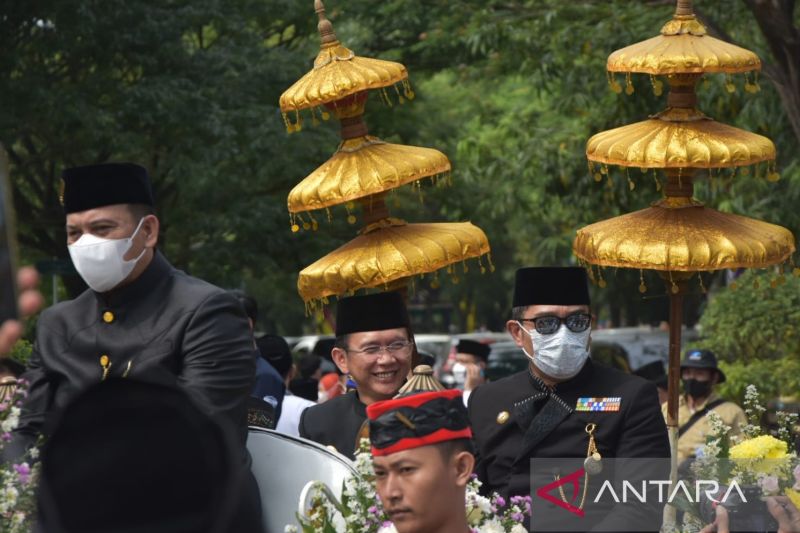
{"x":449,"y":448}
{"x":139,"y":211}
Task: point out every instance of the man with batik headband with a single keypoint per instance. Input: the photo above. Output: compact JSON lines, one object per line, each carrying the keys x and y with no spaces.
{"x":374,"y":346}
{"x":421,"y":454}
{"x":563,"y":405}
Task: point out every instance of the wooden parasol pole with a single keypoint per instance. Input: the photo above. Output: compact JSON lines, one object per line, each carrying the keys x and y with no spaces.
{"x":677,"y":289}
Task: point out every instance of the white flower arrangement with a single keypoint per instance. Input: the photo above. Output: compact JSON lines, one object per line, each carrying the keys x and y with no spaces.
{"x":18,"y":480}
{"x":360,"y":510}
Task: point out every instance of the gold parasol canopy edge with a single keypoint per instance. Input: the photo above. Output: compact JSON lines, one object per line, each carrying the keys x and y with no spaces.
{"x":390,"y":253}
{"x":363,"y":166}
{"x":339,"y":73}
{"x":683,"y":54}
{"x":686,"y":239}
{"x":663,"y":143}
{"x":683,"y":47}
{"x":342,"y":74}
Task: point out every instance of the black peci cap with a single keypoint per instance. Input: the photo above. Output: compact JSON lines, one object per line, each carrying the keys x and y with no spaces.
{"x":551,"y":286}
{"x":94,"y":186}
{"x":371,"y":312}
{"x":475,"y":348}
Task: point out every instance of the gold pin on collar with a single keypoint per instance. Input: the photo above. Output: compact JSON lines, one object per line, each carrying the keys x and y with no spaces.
{"x":502,"y":417}
{"x":105,"y":363}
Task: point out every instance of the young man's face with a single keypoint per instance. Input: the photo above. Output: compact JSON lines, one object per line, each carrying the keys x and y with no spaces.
{"x":378,"y":375}
{"x":421,"y":490}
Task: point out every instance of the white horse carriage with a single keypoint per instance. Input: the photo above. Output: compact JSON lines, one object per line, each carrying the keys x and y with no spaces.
{"x":286,"y":469}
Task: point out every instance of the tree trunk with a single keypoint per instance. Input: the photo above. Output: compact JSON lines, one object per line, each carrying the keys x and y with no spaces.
{"x":776,"y":20}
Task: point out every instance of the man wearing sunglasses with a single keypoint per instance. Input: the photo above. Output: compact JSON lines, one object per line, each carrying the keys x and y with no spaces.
{"x":544,"y":411}
{"x":373,"y":346}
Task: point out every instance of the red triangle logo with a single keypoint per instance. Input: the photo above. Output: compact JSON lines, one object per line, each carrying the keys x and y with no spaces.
{"x":573,"y":479}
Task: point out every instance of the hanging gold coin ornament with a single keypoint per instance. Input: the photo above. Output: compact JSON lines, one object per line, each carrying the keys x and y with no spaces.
{"x":593,"y":462}
{"x":387,"y":251}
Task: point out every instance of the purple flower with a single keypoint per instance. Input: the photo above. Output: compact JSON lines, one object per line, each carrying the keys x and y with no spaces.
{"x":373,"y":510}
{"x":24,"y":472}
{"x":517,"y":517}
{"x":500,"y":501}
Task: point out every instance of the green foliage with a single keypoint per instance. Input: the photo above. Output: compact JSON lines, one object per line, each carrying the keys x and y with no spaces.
{"x":21,"y":351}
{"x":753,"y":329}
{"x":775,"y":378}
{"x":190,"y":90}
{"x":755,"y":321}
{"x":509,"y":90}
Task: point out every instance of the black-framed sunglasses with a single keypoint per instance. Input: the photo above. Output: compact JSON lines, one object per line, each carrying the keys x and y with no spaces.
{"x":547,"y":325}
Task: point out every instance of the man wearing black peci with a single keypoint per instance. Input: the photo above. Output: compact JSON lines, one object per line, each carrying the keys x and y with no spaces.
{"x":140,"y":319}
{"x":563,"y":403}
{"x":374,"y":345}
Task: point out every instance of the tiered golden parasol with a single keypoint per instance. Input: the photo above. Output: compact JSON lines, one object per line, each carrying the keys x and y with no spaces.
{"x":387,"y":251}
{"x":678,"y":236}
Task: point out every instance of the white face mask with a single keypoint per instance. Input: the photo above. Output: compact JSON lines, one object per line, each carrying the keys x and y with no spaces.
{"x":100,"y":261}
{"x":560,"y":355}
{"x":459,"y":374}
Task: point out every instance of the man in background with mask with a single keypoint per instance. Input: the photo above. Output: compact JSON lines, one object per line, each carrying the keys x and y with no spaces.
{"x":544,"y":411}
{"x":469,"y":370}
{"x":140,"y":319}
{"x":700,"y":375}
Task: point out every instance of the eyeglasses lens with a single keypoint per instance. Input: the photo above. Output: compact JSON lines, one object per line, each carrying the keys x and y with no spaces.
{"x":578,"y":323}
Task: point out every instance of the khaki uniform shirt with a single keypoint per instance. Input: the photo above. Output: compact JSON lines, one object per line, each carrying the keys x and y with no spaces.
{"x":695,"y":436}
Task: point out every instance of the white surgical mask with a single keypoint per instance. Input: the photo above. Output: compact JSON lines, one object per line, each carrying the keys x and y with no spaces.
{"x":560,"y":355}
{"x":459,"y":374}
{"x":100,"y":261}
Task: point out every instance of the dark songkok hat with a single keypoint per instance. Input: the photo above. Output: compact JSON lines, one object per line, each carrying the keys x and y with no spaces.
{"x":551,"y":286}
{"x":417,"y":420}
{"x":372,"y":312}
{"x":275,"y":350}
{"x":107,"y":184}
{"x":475,"y":348}
{"x":136,"y":457}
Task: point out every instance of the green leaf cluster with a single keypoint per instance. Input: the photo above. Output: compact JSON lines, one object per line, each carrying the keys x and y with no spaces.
{"x":510,"y":90}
